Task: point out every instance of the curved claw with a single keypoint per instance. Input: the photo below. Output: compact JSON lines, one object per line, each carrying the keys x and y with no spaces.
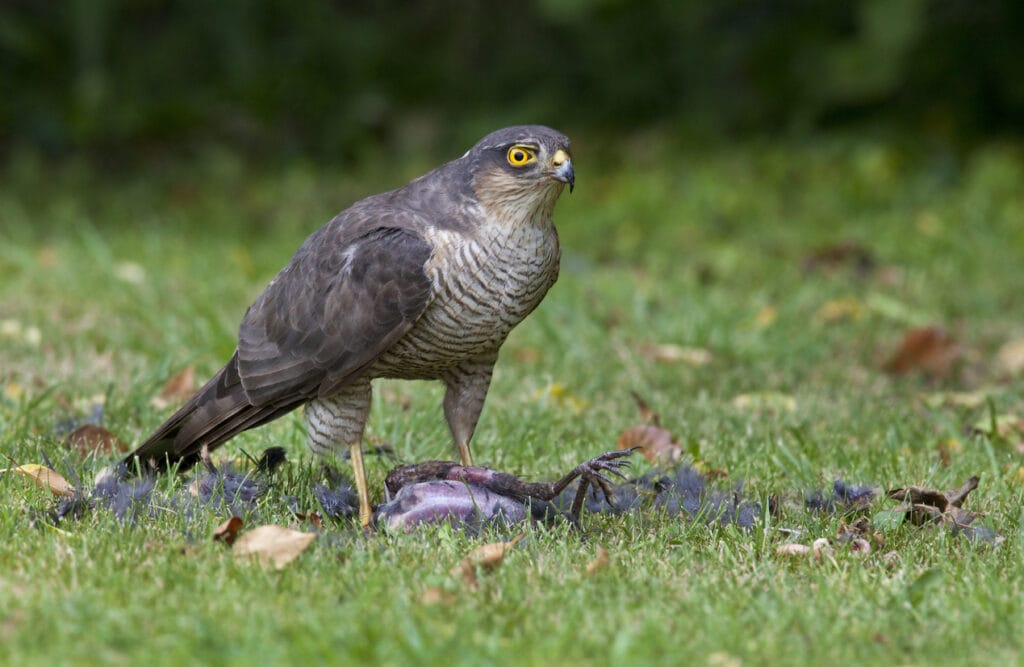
{"x":609,"y":462}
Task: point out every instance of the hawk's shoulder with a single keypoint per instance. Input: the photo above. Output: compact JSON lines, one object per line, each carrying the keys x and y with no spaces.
{"x":351,"y":290}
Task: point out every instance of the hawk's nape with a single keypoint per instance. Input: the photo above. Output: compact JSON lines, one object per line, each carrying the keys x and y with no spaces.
{"x":422,"y":282}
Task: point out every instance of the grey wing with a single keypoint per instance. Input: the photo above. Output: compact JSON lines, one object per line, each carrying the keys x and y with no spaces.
{"x":331,"y":312}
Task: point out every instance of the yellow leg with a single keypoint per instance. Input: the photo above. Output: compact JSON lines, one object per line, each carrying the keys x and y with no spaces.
{"x":362,"y":488}
{"x":464,"y":453}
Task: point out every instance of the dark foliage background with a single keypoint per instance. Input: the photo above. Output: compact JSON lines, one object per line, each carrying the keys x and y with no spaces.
{"x":328,"y":78}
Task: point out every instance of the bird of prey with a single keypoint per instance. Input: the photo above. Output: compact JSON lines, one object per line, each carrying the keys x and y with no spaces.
{"x":422,"y":282}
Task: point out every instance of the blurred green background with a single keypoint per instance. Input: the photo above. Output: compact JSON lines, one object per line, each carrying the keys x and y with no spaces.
{"x":124,"y":79}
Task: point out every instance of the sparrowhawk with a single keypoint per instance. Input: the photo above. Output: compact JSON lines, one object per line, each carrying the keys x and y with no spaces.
{"x":422,"y":282}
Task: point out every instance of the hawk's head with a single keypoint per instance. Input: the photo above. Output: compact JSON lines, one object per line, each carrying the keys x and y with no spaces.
{"x":523,"y":167}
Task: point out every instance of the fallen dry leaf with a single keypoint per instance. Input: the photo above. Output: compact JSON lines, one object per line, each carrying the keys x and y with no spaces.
{"x":274,"y":546}
{"x":178,"y":389}
{"x":45,"y":478}
{"x":669,"y":353}
{"x":599,"y":563}
{"x":923,"y":506}
{"x":657,"y":444}
{"x":486,"y":558}
{"x":227,"y":532}
{"x":929,"y":350}
{"x":1011,"y":357}
{"x":830,"y":259}
{"x":91,"y":439}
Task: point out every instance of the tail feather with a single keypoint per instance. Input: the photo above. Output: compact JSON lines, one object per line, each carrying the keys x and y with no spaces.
{"x":219,"y":411}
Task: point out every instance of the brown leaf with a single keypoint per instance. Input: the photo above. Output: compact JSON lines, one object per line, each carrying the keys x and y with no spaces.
{"x":274,"y":546}
{"x":929,"y":350}
{"x":940,"y":500}
{"x":45,"y":478}
{"x":657,"y":444}
{"x":177,"y":390}
{"x":923,"y":505}
{"x":599,"y":563}
{"x":91,"y":439}
{"x":486,"y":558}
{"x":227,"y":532}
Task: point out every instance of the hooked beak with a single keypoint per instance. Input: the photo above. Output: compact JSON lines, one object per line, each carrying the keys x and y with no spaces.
{"x":562,"y":168}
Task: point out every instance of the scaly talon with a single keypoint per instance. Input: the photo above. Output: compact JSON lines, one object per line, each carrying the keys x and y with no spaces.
{"x":362,"y":488}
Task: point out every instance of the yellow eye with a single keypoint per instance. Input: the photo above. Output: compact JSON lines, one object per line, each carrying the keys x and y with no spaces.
{"x":521,"y":155}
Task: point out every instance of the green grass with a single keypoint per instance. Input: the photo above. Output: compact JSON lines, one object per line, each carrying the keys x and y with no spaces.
{"x":109,"y":285}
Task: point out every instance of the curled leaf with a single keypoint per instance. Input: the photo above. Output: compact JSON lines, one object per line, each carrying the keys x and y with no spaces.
{"x":227,"y":532}
{"x":274,"y":546}
{"x":487,"y":558}
{"x":45,"y":478}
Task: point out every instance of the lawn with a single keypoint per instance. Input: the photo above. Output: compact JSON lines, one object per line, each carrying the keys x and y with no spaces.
{"x":752,"y":294}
